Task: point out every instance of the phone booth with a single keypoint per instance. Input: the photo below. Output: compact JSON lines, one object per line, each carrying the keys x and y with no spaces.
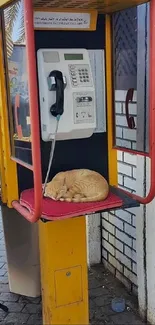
{"x":59,"y":75}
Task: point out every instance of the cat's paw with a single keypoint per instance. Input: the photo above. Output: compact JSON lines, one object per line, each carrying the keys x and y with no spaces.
{"x":68,"y":199}
{"x":54,"y":198}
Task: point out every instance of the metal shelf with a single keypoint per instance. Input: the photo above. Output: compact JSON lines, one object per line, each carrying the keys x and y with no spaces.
{"x":56,"y":210}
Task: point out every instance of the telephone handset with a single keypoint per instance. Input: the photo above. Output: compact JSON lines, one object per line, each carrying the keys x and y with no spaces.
{"x":130,"y":119}
{"x":66,"y":88}
{"x":56,"y":83}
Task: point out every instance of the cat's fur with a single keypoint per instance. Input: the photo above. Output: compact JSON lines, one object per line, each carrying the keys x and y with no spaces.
{"x":78,"y":185}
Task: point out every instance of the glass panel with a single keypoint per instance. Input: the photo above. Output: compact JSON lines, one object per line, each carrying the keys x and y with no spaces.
{"x":17,"y":82}
{"x":130,"y":54}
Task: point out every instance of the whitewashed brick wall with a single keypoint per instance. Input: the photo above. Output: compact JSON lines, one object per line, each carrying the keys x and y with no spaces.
{"x":119,"y":227}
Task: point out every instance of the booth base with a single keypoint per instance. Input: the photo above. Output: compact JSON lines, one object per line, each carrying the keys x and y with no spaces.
{"x":22,"y":250}
{"x":64,"y":278}
{"x":56,"y":210}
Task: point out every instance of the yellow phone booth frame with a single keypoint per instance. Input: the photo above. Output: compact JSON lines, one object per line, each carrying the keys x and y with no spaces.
{"x":63,"y":251}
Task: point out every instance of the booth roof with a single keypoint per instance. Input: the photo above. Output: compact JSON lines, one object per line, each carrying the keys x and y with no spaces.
{"x":103,"y":6}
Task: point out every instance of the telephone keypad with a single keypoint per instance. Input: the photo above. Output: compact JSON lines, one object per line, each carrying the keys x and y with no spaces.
{"x":80,"y":75}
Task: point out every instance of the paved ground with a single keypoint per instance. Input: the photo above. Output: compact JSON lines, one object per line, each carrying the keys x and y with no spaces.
{"x":102,"y":288}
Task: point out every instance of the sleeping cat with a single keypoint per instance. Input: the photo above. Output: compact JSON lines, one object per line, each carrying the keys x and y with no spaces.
{"x":78,"y":185}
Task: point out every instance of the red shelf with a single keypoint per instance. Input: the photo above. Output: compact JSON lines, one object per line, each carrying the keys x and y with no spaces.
{"x":56,"y":210}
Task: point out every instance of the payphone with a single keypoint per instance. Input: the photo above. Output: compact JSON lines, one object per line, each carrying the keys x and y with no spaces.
{"x":66,"y":89}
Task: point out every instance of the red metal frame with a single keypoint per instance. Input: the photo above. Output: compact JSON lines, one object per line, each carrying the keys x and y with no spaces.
{"x":134,"y":152}
{"x":151,"y":194}
{"x":22,"y":163}
{"x":34,"y":116}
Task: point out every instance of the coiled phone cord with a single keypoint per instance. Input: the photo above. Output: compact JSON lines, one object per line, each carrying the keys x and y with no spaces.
{"x":51,"y":153}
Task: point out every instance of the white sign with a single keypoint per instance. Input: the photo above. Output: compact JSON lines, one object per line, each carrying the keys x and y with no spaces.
{"x":58,"y":20}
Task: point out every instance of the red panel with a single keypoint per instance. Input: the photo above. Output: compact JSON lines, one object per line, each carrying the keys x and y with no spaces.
{"x":34,"y":117}
{"x":55,"y":210}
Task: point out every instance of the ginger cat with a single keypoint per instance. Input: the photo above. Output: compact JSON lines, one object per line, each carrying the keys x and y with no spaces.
{"x":78,"y":185}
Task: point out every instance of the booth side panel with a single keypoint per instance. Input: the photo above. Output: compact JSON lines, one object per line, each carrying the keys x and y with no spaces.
{"x":9,"y":174}
{"x":63,"y":254}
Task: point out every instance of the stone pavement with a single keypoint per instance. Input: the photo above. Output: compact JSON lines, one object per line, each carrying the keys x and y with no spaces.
{"x":102,"y":288}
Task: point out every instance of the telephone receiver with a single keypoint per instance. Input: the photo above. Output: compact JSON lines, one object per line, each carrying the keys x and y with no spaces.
{"x":129,"y":98}
{"x":57,"y":82}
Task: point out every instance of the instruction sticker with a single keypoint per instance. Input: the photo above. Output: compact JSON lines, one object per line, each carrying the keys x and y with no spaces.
{"x":65,"y":20}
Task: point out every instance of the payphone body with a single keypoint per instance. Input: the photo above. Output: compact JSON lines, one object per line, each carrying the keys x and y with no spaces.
{"x":79,"y":117}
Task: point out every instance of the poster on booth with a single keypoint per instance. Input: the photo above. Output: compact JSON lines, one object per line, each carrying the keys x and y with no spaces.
{"x":13,"y":68}
{"x":65,"y":20}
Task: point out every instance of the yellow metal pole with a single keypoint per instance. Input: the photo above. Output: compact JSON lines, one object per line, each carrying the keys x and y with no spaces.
{"x":112,"y":153}
{"x":2,"y":170}
{"x":8,"y":167}
{"x":64,"y":278}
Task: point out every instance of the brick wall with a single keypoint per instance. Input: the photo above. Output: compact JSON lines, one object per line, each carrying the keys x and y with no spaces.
{"x":119,"y":227}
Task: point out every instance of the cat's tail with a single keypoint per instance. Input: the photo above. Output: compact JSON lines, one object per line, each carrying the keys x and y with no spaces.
{"x":85,"y":199}
{"x":91,"y":199}
{"x":96,"y":198}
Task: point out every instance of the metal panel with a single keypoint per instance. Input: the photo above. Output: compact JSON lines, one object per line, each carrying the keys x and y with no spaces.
{"x":142,"y":79}
{"x":98,"y":70}
{"x":125,"y":49}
